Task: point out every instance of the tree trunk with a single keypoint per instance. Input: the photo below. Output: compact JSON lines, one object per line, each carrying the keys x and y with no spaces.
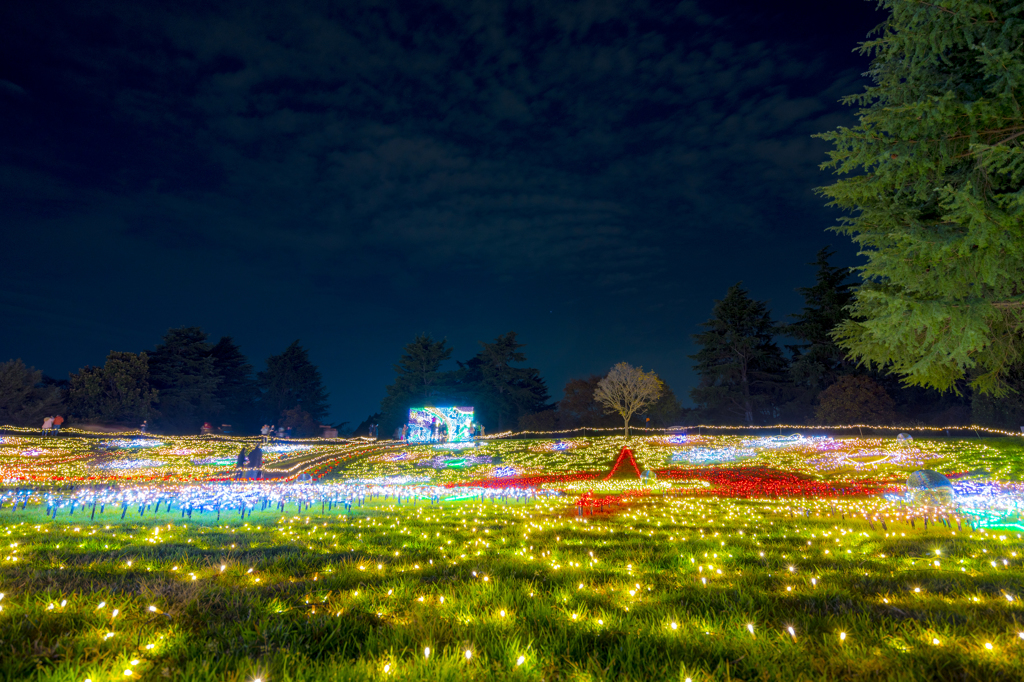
{"x":627,"y":426}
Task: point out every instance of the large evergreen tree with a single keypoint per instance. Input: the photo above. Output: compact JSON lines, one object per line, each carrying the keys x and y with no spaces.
{"x":116,"y":393}
{"x":741,"y":369}
{"x":818,"y":361}
{"x":935,"y":174}
{"x":237,"y":391}
{"x":291,"y":381}
{"x":183,"y":371}
{"x":501,"y":392}
{"x":419,"y":381}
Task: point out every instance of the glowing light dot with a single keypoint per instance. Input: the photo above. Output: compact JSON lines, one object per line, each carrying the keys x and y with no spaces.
{"x":426,"y":652}
{"x":842,"y":636}
{"x":469,"y":654}
{"x":520,"y":660}
{"x":988,"y":645}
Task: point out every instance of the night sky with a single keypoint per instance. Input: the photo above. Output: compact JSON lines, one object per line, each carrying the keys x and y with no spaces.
{"x":589,"y":174}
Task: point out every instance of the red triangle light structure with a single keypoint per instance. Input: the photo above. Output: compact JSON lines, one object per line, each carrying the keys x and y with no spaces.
{"x":625,"y":455}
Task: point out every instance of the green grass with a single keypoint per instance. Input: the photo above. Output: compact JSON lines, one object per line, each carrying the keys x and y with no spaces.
{"x":316,"y":606}
{"x":358,"y":596}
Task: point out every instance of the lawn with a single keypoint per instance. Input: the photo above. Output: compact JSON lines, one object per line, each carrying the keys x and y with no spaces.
{"x":770,"y":559}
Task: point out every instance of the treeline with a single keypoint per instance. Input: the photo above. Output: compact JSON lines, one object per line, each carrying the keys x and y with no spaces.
{"x":500,"y":391}
{"x":504,"y":394}
{"x":752,"y":370}
{"x":182,"y":383}
{"x":747,"y":378}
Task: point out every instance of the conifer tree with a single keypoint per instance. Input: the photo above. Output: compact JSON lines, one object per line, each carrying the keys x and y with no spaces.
{"x":502,"y":393}
{"x":419,"y":380}
{"x":933,"y":176}
{"x":818,"y":361}
{"x":183,"y":371}
{"x":237,"y":391}
{"x":291,"y":381}
{"x":741,"y":369}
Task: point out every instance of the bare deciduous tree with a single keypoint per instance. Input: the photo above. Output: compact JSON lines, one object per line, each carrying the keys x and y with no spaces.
{"x":626,"y":390}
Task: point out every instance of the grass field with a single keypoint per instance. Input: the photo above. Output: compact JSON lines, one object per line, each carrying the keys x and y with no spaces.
{"x":744,"y":559}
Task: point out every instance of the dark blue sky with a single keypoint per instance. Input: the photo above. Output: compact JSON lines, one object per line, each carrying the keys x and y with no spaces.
{"x":589,"y":174}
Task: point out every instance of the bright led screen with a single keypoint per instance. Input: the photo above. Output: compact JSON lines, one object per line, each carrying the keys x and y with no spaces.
{"x":425,"y":424}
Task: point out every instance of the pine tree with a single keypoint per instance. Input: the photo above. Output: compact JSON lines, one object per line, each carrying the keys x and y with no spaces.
{"x":419,"y":381}
{"x":237,"y":391}
{"x":185,"y":374}
{"x":291,"y":381}
{"x":741,"y":369}
{"x":819,"y":361}
{"x":502,"y":393}
{"x":935,"y":174}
